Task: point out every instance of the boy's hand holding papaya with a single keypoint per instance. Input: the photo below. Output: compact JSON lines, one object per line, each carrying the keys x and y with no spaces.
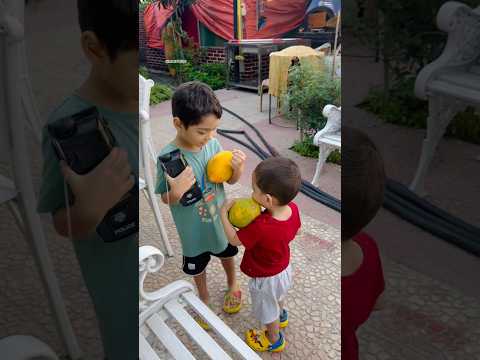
{"x":238,"y":160}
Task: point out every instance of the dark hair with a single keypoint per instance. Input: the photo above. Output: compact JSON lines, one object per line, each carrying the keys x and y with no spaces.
{"x":363,"y":181}
{"x":280,"y":177}
{"x":193,"y":100}
{"x":115,"y":22}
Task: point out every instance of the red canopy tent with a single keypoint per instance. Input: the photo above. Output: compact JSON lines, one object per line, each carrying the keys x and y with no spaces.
{"x":281,"y":16}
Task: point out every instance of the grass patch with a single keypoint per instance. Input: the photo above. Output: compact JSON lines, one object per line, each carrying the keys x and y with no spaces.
{"x":159,"y":92}
{"x":403,"y":108}
{"x":307,"y":149}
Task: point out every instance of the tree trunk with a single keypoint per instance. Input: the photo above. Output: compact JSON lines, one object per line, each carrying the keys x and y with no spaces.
{"x":169,"y":46}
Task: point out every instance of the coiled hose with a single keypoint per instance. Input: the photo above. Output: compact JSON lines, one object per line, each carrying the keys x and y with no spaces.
{"x":306,"y":188}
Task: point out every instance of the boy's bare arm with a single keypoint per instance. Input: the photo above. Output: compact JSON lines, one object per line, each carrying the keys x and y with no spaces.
{"x":230,"y":231}
{"x":171,"y":197}
{"x":95,"y":193}
{"x":82,"y":223}
{"x":238,"y":165}
{"x":178,"y":186}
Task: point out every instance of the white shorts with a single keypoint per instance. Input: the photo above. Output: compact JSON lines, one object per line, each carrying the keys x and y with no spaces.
{"x":266,"y":292}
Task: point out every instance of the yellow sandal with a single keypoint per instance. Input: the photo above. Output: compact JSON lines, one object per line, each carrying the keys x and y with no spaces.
{"x":203,"y":324}
{"x":232,"y":302}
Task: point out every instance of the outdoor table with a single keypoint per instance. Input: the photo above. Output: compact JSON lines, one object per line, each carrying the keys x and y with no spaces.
{"x":259,"y":47}
{"x":280,"y":63}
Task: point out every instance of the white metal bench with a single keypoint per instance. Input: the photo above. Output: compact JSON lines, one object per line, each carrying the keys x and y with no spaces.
{"x":170,"y":302}
{"x":147,"y":155}
{"x":329,"y":138}
{"x":451,"y":82}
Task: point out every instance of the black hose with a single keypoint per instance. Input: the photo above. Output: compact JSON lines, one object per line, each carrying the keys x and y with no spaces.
{"x":272,"y":151}
{"x":306,"y":188}
{"x":430,"y":223}
{"x":402,"y":190}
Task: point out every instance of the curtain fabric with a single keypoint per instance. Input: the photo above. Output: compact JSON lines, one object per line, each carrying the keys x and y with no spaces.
{"x":281,"y":16}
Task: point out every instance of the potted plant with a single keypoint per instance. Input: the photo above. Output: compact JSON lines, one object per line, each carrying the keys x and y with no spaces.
{"x":308,"y":92}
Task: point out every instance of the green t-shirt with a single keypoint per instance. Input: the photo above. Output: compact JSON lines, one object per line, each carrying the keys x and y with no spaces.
{"x":109,"y":269}
{"x":199,"y":226}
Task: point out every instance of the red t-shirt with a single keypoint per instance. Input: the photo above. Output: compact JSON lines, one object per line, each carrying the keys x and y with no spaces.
{"x":266,"y":242}
{"x":360,"y":292}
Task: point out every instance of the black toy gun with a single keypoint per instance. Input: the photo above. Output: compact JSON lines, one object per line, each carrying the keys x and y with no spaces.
{"x":83,"y":140}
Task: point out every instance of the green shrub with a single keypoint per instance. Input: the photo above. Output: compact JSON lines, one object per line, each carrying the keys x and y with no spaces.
{"x":160,"y":93}
{"x":308,"y":92}
{"x":144,"y":72}
{"x":307,"y":149}
{"x":404,"y":33}
{"x":401,"y":107}
{"x":213,"y":75}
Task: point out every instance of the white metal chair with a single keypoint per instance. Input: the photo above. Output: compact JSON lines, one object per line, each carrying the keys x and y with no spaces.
{"x":18,"y":192}
{"x":147,"y":153}
{"x":451,"y":82}
{"x":15,"y":20}
{"x":329,"y":138}
{"x":169,"y":302}
{"x":25,"y":347}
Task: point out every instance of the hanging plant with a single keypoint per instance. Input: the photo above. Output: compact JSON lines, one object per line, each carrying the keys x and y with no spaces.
{"x":173,"y":35}
{"x":169,"y":46}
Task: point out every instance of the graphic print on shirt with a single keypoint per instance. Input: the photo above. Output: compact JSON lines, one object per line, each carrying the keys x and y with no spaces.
{"x":207,"y":207}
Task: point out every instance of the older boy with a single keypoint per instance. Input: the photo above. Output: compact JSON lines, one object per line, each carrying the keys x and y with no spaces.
{"x":108,"y":268}
{"x":196,"y":116}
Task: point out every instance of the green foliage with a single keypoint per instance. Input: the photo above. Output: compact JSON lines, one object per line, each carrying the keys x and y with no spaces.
{"x":176,"y":35}
{"x":306,"y":148}
{"x":144,"y":72}
{"x":401,"y":107}
{"x":408,"y":38}
{"x":142,"y":4}
{"x":308,"y":92}
{"x":335,"y":157}
{"x":182,"y":4}
{"x":160,"y":93}
{"x":404,"y":31}
{"x":213,"y":75}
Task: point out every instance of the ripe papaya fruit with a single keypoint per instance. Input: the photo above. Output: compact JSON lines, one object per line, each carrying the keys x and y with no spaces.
{"x":243,"y":212}
{"x":219,"y":167}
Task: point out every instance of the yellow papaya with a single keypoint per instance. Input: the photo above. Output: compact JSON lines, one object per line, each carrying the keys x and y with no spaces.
{"x":243,"y":212}
{"x":219,"y":167}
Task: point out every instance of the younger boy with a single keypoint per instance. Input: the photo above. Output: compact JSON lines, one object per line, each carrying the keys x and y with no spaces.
{"x":363,"y":183}
{"x":196,"y":116}
{"x":108,"y":268}
{"x":275,"y":182}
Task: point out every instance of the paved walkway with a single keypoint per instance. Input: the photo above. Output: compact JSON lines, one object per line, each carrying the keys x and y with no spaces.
{"x":432,"y":293}
{"x":314,"y":301}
